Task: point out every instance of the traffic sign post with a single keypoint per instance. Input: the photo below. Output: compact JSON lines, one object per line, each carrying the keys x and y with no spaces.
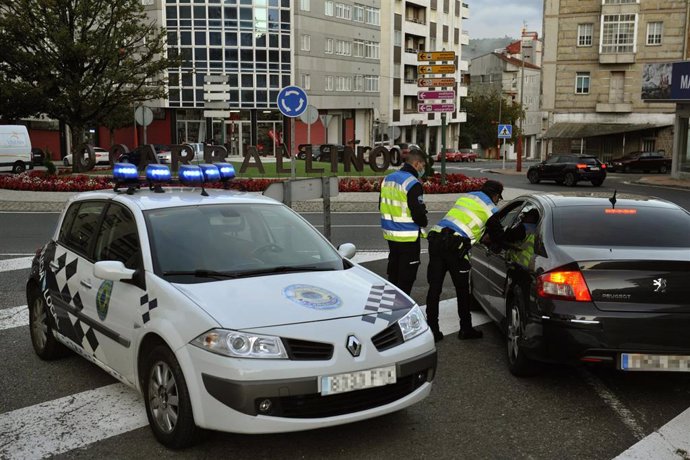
{"x":443,"y":108}
{"x":504,"y":132}
{"x":143,"y":116}
{"x":292,"y":102}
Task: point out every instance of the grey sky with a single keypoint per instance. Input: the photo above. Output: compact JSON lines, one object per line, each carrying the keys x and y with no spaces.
{"x":500,"y":18}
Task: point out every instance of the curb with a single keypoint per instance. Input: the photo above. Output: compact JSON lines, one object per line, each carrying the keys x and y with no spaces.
{"x":679,"y":184}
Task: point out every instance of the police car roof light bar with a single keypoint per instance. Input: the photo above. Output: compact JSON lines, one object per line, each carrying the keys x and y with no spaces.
{"x":155,"y":174}
{"x":211,"y":174}
{"x":227,"y":173}
{"x":126,"y":173}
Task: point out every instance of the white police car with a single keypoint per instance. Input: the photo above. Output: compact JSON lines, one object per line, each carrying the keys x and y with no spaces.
{"x":227,"y":311}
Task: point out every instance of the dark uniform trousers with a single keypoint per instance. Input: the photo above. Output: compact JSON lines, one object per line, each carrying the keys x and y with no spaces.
{"x":446,"y":254}
{"x":403,"y":263}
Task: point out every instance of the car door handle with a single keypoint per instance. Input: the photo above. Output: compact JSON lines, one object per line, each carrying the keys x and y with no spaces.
{"x":54,"y":266}
{"x":86,"y":283}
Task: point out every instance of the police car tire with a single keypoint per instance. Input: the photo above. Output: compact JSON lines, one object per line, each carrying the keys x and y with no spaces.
{"x":518,"y":363}
{"x":185,"y":432}
{"x":43,"y":340}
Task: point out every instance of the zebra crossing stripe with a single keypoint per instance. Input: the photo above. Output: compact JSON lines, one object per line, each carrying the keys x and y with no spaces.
{"x":45,"y":429}
{"x":19,"y":263}
{"x":14,"y":317}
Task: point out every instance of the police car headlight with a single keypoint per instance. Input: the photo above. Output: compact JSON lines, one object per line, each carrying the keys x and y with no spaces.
{"x":241,"y":345}
{"x":413,"y":323}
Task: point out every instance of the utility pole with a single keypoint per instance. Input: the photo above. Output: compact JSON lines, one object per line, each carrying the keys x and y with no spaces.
{"x":500,"y":107}
{"x":518,"y":164}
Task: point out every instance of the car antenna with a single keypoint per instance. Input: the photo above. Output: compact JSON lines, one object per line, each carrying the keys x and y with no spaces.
{"x":613,"y":200}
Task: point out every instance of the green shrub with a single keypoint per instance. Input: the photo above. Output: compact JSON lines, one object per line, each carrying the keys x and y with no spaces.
{"x":50,"y":166}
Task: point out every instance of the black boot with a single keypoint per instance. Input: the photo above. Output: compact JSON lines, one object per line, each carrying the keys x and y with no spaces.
{"x":438,"y":335}
{"x":472,"y":333}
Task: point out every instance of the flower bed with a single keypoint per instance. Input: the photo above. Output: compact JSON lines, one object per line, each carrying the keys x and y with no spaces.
{"x":39,"y":181}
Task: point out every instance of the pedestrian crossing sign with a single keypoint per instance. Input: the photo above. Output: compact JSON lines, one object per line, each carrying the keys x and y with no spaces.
{"x":505,"y":131}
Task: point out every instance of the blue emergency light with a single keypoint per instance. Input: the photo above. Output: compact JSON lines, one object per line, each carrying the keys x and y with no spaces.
{"x":126,"y":174}
{"x":227,"y":171}
{"x":155,"y":174}
{"x":211,"y":172}
{"x":190,"y":174}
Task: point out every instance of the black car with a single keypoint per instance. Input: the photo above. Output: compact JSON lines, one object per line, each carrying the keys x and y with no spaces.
{"x":596,"y":280}
{"x":568,"y":170}
{"x":37,"y":156}
{"x":642,"y":161}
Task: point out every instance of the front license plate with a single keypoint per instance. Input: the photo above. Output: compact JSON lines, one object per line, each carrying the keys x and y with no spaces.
{"x":645,"y":362}
{"x":351,"y":381}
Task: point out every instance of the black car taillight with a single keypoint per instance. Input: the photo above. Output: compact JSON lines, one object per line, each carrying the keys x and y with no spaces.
{"x":567,"y":285}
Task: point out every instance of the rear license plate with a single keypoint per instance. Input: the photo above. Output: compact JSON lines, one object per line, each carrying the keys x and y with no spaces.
{"x":645,"y":362}
{"x":594,"y":168}
{"x":351,"y":381}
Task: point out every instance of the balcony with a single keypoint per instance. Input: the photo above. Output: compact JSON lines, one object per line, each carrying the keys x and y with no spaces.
{"x":617,"y":58}
{"x":465,"y":11}
{"x":463,"y":66}
{"x":465,"y":38}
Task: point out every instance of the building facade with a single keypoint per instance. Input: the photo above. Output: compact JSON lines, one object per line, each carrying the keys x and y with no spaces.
{"x":408,"y":27}
{"x":516,"y":81}
{"x":594,"y":55}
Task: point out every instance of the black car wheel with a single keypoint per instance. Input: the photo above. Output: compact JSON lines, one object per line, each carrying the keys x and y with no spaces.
{"x":166,"y":396}
{"x":597,"y":182}
{"x":19,"y":167}
{"x":663,"y":169}
{"x":518,"y":363}
{"x":42,"y":338}
{"x":533,"y":177}
{"x":569,"y":179}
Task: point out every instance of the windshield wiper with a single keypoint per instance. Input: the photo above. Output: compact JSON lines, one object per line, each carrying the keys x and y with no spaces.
{"x":202,"y":274}
{"x":284,"y":269}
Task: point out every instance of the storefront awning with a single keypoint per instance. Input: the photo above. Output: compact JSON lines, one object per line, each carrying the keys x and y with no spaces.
{"x":582,"y":130}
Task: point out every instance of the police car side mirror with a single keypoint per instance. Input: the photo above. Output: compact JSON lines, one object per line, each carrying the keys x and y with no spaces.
{"x":112,"y":270}
{"x":347,"y":250}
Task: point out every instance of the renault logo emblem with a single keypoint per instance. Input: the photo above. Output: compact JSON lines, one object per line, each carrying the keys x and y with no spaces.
{"x":660,"y":285}
{"x":354,"y":346}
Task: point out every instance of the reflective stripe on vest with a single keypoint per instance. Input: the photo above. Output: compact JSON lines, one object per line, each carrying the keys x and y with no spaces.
{"x":396,"y":219}
{"x":524,"y":252}
{"x":468,"y":216}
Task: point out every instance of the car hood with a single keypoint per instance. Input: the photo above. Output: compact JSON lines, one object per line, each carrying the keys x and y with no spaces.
{"x":297,"y":298}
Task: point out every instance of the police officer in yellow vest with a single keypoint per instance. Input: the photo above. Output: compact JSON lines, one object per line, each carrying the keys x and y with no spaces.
{"x":449,"y":244}
{"x":403,"y":216}
{"x":522,"y":251}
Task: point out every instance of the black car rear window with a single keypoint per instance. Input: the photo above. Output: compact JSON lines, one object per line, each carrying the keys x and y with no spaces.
{"x":642,"y":226}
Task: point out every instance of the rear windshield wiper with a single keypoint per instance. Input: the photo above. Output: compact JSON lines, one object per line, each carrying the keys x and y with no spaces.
{"x":202,"y":274}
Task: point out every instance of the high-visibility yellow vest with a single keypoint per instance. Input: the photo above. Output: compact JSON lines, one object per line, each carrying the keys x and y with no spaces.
{"x":468,"y":215}
{"x":396,"y":218}
{"x":523,"y":253}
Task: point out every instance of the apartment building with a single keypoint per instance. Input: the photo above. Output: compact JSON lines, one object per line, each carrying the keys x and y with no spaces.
{"x":594,"y":55}
{"x":517,"y":80}
{"x":407,"y":27}
{"x":337,"y":62}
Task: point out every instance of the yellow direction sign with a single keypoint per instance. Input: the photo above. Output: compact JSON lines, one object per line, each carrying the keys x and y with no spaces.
{"x":436,"y":56}
{"x":426,"y":69}
{"x":435,"y":82}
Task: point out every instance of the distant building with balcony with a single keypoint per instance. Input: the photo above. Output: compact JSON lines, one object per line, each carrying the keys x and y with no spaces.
{"x":408,"y":27}
{"x":594,"y":55}
{"x":502,"y":73}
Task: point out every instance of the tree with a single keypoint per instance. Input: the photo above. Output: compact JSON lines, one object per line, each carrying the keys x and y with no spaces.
{"x":482,"y":117}
{"x":82,"y":59}
{"x":118,"y":118}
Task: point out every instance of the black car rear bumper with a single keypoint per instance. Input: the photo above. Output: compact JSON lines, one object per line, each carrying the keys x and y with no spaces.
{"x":579,"y":332}
{"x":591,"y":175}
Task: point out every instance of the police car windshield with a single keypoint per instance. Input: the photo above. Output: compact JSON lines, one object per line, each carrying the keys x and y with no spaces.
{"x":210,"y":242}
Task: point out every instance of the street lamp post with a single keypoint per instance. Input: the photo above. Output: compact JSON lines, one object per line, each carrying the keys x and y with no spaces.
{"x":518,"y":164}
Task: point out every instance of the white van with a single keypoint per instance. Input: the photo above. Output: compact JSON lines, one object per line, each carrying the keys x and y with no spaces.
{"x":15,"y":149}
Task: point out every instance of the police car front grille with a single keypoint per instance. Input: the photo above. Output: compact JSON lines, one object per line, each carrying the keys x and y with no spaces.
{"x":316,"y":405}
{"x":388,"y":338}
{"x":303,"y":350}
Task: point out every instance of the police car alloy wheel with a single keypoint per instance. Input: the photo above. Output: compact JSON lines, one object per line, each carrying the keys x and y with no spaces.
{"x":518,"y":364}
{"x":42,"y":337}
{"x":167,"y":400}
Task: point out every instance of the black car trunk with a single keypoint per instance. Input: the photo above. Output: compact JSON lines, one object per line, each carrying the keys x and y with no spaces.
{"x":635,"y":283}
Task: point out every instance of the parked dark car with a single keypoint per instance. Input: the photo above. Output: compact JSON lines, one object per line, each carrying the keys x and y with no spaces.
{"x":569,"y":170}
{"x":599,"y":281}
{"x":320,"y":152}
{"x":641,"y":161}
{"x":37,"y":156}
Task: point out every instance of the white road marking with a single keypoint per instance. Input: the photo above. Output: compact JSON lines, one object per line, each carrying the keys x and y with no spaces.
{"x":14,"y":317}
{"x":671,"y":442}
{"x":64,"y":424}
{"x":15,"y":264}
{"x":625,"y":415}
{"x":16,"y":255}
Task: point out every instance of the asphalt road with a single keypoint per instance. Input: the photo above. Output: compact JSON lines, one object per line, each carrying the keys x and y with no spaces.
{"x":476,"y":409}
